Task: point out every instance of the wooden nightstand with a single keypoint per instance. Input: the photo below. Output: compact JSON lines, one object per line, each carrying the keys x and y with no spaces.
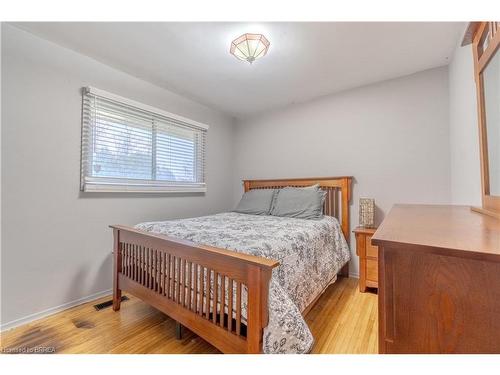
{"x":368,"y":258}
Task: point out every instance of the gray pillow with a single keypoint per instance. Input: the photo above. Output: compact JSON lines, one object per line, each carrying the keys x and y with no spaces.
{"x":302,"y":203}
{"x":256,"y":202}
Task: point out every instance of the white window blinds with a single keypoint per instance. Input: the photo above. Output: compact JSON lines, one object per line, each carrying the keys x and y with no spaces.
{"x":129,"y":146}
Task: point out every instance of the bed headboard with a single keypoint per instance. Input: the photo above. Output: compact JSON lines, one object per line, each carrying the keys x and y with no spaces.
{"x":337,"y":198}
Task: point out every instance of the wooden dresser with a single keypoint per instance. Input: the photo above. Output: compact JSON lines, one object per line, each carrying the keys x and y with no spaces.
{"x":368,"y":258}
{"x":439,"y":280}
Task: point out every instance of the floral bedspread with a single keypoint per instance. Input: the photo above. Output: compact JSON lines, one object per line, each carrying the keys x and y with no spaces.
{"x":310,"y":252}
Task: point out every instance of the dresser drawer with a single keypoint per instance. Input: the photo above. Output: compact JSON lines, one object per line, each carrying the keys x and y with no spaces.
{"x":371,"y":251}
{"x":372,"y":270}
{"x":368,"y":258}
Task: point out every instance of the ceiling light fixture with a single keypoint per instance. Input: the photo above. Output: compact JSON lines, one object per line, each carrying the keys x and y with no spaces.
{"x":249,"y":47}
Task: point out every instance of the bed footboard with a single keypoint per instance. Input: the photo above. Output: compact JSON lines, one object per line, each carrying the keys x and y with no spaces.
{"x":201,"y":287}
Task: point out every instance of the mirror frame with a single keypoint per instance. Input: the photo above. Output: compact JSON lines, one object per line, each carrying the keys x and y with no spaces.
{"x":484,"y":32}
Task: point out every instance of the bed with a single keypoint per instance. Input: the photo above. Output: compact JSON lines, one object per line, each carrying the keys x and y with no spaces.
{"x":241,"y":282}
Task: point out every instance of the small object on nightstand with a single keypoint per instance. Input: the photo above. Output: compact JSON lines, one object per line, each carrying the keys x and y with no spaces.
{"x":366,"y":212}
{"x":368,"y":258}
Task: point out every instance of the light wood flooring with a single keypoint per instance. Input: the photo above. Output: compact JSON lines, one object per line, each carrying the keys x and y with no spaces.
{"x":342,"y":321}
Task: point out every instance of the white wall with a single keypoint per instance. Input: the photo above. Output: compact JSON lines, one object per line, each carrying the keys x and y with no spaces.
{"x":393,"y":137}
{"x":464,"y":138}
{"x":0,"y":173}
{"x":56,"y":244}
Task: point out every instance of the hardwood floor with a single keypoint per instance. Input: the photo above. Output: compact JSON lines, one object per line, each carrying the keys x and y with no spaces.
{"x":342,"y":321}
{"x":345,"y":321}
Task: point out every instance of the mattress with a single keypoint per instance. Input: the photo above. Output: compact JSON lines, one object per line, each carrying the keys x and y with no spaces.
{"x":310,"y":252}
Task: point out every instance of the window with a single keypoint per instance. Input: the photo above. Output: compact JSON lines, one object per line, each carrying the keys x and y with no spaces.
{"x":129,"y":146}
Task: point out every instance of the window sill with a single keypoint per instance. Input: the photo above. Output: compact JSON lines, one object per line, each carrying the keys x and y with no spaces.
{"x":142,"y":188}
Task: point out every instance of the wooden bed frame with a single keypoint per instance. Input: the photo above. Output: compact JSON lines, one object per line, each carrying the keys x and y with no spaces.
{"x":145,"y":263}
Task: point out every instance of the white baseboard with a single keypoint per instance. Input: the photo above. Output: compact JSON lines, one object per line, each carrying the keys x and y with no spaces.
{"x":52,"y":310}
{"x":354,"y":275}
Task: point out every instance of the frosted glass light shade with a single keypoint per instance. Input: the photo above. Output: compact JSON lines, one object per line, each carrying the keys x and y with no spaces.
{"x":249,"y":47}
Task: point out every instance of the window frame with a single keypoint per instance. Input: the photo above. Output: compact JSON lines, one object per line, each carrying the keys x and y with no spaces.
{"x":90,"y":183}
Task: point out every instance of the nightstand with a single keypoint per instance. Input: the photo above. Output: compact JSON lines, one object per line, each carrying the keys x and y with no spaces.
{"x":368,"y":258}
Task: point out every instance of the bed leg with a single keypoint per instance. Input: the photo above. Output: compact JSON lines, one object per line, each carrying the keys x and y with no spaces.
{"x":117,"y":298}
{"x":117,"y":261}
{"x":178,"y":331}
{"x":344,"y":271}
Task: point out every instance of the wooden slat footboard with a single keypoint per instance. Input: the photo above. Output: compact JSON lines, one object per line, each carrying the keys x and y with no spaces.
{"x":199,"y":286}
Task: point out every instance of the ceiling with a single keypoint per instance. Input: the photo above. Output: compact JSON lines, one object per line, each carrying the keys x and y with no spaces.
{"x":305,"y":60}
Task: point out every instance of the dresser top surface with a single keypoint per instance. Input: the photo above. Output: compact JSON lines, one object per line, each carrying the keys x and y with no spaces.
{"x":454,"y":229}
